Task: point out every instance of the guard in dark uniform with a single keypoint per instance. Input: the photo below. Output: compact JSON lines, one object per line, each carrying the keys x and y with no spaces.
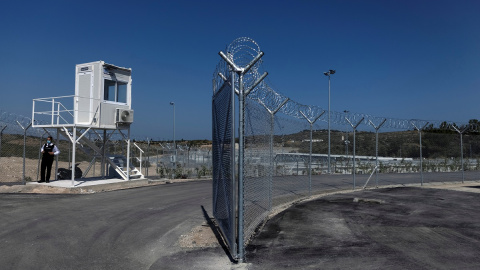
{"x":49,"y":151}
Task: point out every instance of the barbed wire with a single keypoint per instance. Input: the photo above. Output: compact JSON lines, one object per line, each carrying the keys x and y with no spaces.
{"x":9,"y":125}
{"x":242,"y":50}
{"x":11,"y":118}
{"x":12,"y":123}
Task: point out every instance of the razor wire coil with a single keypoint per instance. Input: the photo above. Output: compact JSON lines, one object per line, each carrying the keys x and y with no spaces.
{"x":242,"y":50}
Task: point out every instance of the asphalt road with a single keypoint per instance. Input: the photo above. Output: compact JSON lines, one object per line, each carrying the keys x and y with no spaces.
{"x":140,"y":228}
{"x":125,"y":229}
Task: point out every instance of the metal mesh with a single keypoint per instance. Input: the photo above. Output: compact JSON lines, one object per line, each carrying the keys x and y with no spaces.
{"x":286,"y":145}
{"x":153,"y":159}
{"x":291,"y":152}
{"x":191,"y":161}
{"x":18,"y":139}
{"x":399,"y":156}
{"x":257,"y":167}
{"x":223,"y":185}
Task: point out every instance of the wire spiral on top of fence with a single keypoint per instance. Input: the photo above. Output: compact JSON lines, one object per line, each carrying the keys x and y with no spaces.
{"x":282,"y":157}
{"x":242,"y":50}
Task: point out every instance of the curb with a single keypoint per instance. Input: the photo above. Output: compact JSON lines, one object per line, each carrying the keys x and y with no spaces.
{"x":45,"y":189}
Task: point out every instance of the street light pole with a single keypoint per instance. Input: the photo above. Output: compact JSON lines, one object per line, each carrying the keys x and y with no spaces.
{"x":328,"y":73}
{"x":174,"y":142}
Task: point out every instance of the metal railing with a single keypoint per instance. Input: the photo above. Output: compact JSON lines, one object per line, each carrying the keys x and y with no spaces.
{"x":62,"y":111}
{"x":52,"y":111}
{"x":141,"y":154}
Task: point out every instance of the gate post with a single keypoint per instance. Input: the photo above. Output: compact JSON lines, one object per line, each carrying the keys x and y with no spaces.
{"x":242,"y":94}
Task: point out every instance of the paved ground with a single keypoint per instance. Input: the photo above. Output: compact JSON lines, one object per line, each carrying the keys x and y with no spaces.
{"x":390,"y":228}
{"x":141,"y":228}
{"x":168,"y":227}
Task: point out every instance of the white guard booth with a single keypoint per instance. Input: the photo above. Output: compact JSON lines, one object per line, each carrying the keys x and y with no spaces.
{"x":101,"y":105}
{"x":104,"y":95}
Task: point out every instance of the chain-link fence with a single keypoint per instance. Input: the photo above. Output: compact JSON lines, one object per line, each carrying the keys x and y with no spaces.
{"x":285,"y":147}
{"x":20,"y":154}
{"x":189,"y":161}
{"x":223,"y":159}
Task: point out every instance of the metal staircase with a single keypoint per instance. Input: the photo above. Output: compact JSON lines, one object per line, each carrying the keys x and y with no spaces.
{"x":117,"y":163}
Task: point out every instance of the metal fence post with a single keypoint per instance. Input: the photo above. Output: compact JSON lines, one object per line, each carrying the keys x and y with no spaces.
{"x":156,"y":168}
{"x":240,"y":168}
{"x":234,"y":186}
{"x":272,"y":127}
{"x":148,"y":157}
{"x":310,"y":154}
{"x":376,"y":147}
{"x":24,"y":147}
{"x":242,"y":94}
{"x":1,"y":136}
{"x":354,"y":126}
{"x":420,"y":141}
{"x":461,"y":147}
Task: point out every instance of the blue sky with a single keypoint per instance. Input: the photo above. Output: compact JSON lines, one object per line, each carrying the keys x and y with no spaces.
{"x":397,"y":59}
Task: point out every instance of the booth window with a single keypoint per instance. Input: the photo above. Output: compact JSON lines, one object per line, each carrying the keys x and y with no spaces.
{"x":115,"y":91}
{"x":122,"y":92}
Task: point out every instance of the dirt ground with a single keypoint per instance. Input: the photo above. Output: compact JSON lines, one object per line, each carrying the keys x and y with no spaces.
{"x":200,"y":236}
{"x":11,"y":169}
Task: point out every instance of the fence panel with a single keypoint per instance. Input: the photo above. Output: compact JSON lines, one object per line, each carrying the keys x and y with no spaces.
{"x":291,"y":157}
{"x":257,"y":183}
{"x":224,"y":197}
{"x":285,"y":160}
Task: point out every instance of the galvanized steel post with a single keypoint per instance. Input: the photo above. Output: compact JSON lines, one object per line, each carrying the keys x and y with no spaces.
{"x":242,"y":94}
{"x":420,"y":141}
{"x":148,"y":156}
{"x":233,"y":171}
{"x":461,"y":147}
{"x":241,"y":132}
{"x":1,"y":135}
{"x":24,"y":147}
{"x":310,"y":155}
{"x":272,"y":130}
{"x":376,"y":147}
{"x":354,"y":126}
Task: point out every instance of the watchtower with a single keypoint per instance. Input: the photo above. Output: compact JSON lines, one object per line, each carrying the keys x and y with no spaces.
{"x":102,"y":103}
